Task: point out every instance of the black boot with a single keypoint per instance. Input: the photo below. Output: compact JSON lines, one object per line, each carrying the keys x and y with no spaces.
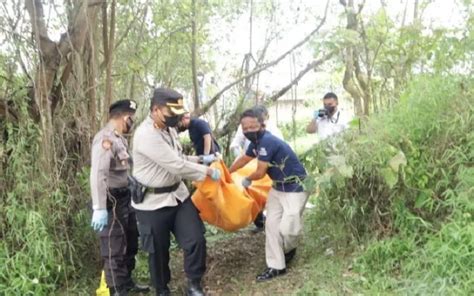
{"x":163,"y":292}
{"x":118,"y":291}
{"x":133,"y":287}
{"x":259,"y":223}
{"x":270,"y":273}
{"x":194,"y":288}
{"x":290,"y":255}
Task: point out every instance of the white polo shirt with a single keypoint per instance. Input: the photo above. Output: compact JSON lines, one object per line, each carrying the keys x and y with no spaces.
{"x":330,"y":126}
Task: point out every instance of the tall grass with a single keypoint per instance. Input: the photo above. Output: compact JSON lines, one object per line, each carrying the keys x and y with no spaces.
{"x":403,"y":190}
{"x":46,"y":244}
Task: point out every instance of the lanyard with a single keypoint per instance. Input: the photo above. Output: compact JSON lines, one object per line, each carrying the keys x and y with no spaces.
{"x":337,"y":119}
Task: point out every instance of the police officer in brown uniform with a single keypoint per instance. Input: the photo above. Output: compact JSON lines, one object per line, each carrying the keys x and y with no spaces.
{"x":160,"y":165}
{"x":113,"y":216}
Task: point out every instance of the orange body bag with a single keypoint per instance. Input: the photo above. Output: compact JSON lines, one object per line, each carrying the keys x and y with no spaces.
{"x":226,"y":203}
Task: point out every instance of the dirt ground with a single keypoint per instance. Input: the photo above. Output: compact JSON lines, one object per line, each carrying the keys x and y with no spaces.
{"x":232,"y":265}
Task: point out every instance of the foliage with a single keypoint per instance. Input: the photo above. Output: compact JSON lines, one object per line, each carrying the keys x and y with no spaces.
{"x":296,"y":130}
{"x":406,"y":179}
{"x":404,"y":187}
{"x":44,"y":228}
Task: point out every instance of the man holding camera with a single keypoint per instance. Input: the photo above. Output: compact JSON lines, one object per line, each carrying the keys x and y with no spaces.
{"x":329,"y":121}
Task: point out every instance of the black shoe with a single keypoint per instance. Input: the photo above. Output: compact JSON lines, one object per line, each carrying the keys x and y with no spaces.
{"x":133,"y":287}
{"x":194,"y":288}
{"x":270,"y":273}
{"x":257,"y":229}
{"x":118,"y":291}
{"x":290,"y":255}
{"x":259,"y":220}
{"x":163,"y":292}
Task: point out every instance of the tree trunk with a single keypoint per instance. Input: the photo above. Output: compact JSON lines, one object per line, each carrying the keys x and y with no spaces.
{"x":109,"y":55}
{"x":193,"y":56}
{"x":51,"y":55}
{"x":90,"y":67}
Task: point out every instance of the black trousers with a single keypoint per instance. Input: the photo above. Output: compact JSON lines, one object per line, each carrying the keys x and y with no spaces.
{"x":184,"y":222}
{"x":119,"y":239}
{"x":259,"y":221}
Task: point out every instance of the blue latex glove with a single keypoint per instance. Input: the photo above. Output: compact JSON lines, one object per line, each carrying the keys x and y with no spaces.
{"x":316,"y":114}
{"x":207,"y":159}
{"x":246,"y":182}
{"x":216,"y":174}
{"x":99,"y":219}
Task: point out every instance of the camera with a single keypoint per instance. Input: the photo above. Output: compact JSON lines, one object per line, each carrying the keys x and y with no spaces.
{"x":323,"y":112}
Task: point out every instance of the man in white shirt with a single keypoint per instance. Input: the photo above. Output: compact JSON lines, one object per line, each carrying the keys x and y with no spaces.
{"x":329,"y":121}
{"x":240,"y":144}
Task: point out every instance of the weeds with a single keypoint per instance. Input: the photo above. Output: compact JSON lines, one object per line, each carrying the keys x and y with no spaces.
{"x":403,"y":188}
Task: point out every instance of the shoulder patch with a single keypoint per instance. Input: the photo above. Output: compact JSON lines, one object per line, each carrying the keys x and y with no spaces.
{"x":262,"y":151}
{"x":106,"y":144}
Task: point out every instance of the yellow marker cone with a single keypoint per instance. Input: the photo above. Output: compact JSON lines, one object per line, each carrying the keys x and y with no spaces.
{"x":102,"y":290}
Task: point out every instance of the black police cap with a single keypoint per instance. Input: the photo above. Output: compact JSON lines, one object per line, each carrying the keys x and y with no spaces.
{"x":170,"y":98}
{"x":123,"y":106}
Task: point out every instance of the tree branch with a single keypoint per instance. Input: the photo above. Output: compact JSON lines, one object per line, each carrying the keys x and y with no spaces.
{"x":216,"y":97}
{"x":74,"y":38}
{"x":300,"y":75}
{"x":231,"y":123}
{"x":38,"y":25}
{"x":127,"y":30}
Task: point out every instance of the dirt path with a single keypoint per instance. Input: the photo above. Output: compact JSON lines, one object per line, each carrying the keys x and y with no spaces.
{"x":232,"y":265}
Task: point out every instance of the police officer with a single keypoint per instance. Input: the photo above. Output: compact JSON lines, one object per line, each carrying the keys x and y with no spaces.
{"x":160,"y":166}
{"x":286,"y":200}
{"x":113,"y":217}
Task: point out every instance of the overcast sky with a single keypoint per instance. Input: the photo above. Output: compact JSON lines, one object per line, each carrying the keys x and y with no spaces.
{"x":301,"y":18}
{"x":229,"y":42}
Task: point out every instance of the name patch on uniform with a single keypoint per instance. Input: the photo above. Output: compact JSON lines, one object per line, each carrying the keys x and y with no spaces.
{"x":263,"y":151}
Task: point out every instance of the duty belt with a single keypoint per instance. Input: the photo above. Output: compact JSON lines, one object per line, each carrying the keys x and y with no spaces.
{"x":119,"y":192}
{"x":166,"y":189}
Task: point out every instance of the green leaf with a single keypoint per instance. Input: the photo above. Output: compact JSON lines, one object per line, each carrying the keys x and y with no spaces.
{"x":420,"y":200}
{"x":397,"y":161}
{"x":339,"y":163}
{"x":389,"y":176}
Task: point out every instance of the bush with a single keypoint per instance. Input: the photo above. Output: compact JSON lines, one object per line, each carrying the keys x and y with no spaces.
{"x":395,"y":175}
{"x":403,"y":187}
{"x":46,"y":243}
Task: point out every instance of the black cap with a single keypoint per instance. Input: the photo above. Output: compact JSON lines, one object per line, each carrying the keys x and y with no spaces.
{"x":123,"y":106}
{"x":170,"y":98}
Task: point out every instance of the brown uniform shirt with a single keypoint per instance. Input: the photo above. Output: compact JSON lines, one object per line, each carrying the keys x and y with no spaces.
{"x":109,"y":164}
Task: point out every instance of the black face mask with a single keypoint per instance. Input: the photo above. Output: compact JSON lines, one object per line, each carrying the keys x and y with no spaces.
{"x":254,"y":136}
{"x":330,"y":109}
{"x":182,"y":128}
{"x":128,"y":125}
{"x":171,"y":121}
